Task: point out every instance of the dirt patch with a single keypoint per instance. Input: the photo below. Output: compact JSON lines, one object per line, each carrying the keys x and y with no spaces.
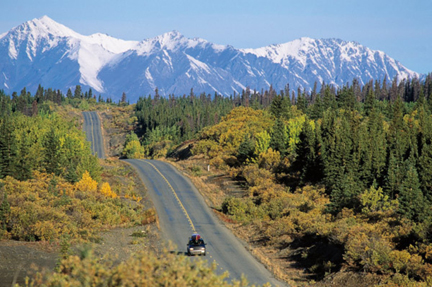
{"x":18,"y":259}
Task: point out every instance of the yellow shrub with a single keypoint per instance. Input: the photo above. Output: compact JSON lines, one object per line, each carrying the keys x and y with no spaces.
{"x":106,"y":190}
{"x":209,"y":148}
{"x":269,"y":159}
{"x":86,"y":183}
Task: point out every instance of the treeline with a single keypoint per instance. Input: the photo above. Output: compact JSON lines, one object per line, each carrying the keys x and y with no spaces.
{"x":164,"y":122}
{"x":34,"y":138}
{"x":30,"y":105}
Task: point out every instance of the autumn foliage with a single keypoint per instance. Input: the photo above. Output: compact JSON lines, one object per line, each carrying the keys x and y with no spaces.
{"x":349,"y":181}
{"x":143,"y":269}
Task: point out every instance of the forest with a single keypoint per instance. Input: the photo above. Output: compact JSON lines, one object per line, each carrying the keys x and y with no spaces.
{"x":346,"y":169}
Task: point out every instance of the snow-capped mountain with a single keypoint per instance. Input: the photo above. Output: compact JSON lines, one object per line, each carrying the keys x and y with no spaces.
{"x":42,"y":51}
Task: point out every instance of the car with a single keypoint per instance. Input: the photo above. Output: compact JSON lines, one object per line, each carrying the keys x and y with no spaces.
{"x":196,"y":245}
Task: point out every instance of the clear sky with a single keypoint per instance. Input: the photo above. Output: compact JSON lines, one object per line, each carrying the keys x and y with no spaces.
{"x":400,"y":28}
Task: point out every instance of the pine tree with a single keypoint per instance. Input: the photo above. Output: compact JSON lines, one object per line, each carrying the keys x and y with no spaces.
{"x":69,"y":94}
{"x":7,"y":147}
{"x":369,"y":102}
{"x":302,"y":102}
{"x":329,"y":99}
{"x":276,"y":107}
{"x":52,"y":157}
{"x":78,"y":92}
{"x":317,"y":109}
{"x":345,"y":193}
{"x":278,"y":140}
{"x":411,"y":201}
{"x":246,"y":149}
{"x":307,"y":160}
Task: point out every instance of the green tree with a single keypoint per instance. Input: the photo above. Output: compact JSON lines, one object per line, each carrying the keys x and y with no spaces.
{"x":411,"y":201}
{"x":307,"y":160}
{"x":246,"y":149}
{"x":262,"y":142}
{"x":329,"y":99}
{"x":278,"y":138}
{"x":370,"y":100}
{"x":7,"y":147}
{"x":78,"y":92}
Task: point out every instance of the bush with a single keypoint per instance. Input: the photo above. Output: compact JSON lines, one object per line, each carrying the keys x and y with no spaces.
{"x":144,"y":269}
{"x":46,"y":209}
{"x":196,"y":170}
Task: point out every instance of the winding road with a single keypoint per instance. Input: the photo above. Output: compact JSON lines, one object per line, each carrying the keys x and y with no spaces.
{"x":181,"y":210}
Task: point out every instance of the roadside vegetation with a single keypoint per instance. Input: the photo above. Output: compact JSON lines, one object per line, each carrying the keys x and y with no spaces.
{"x":337,"y":181}
{"x":143,"y":269}
{"x":52,"y":189}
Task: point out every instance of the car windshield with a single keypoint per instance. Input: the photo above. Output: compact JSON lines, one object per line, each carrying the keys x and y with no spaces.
{"x":196,"y":243}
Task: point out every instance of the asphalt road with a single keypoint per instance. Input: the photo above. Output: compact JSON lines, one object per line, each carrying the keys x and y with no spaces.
{"x":92,"y":128}
{"x":182,"y":211}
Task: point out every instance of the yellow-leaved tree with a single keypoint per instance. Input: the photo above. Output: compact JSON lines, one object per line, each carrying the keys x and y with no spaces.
{"x":106,"y":190}
{"x":86,"y":183}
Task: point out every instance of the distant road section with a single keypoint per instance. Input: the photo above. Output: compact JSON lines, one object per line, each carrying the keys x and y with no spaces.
{"x":92,"y":128}
{"x":182,"y":211}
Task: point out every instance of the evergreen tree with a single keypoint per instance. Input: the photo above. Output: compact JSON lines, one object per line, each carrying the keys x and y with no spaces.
{"x":346,"y":99}
{"x":278,"y":140}
{"x":425,"y":170}
{"x":246,"y":149}
{"x":276,"y":108}
{"x":78,"y":92}
{"x":345,"y":193}
{"x":369,"y":102}
{"x":302,"y":102}
{"x":329,"y":99}
{"x":307,"y":160}
{"x":7,"y":147}
{"x":317,"y":109}
{"x":69,"y":94}
{"x":52,"y":157}
{"x":411,"y":200}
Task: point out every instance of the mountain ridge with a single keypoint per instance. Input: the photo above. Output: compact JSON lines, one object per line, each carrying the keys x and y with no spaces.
{"x":42,"y":51}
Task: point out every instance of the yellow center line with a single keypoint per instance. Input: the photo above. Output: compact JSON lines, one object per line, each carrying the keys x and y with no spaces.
{"x":92,"y":133}
{"x":176,"y":196}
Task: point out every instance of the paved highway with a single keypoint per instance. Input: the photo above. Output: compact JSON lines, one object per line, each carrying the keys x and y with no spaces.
{"x":182,"y":211}
{"x":92,"y":128}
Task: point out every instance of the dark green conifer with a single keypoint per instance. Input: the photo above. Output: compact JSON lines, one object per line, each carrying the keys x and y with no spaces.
{"x":278,"y":140}
{"x":411,"y":201}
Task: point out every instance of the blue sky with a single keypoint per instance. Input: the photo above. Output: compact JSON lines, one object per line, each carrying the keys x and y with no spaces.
{"x":402,"y":29}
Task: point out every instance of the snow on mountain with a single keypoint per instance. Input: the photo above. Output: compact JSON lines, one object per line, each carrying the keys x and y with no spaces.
{"x":40,"y":43}
{"x":42,"y":51}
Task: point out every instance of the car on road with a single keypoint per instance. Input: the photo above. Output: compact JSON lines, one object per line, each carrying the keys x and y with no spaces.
{"x":196,"y":245}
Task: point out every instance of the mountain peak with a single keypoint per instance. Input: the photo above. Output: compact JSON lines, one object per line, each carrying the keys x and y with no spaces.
{"x":45,"y":26}
{"x":170,"y":39}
